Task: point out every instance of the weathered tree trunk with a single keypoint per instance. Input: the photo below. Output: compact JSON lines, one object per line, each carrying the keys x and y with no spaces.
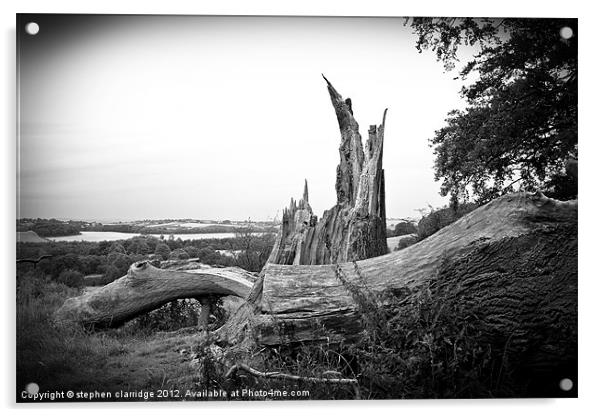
{"x":146,"y":288}
{"x":355,"y":228}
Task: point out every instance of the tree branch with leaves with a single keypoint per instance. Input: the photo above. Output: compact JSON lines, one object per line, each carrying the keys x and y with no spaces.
{"x":520,"y":124}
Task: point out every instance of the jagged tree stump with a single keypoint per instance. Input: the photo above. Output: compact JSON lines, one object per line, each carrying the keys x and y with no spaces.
{"x":355,"y":228}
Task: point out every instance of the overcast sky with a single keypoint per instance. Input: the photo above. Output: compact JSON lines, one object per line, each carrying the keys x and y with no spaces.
{"x":133,"y":117}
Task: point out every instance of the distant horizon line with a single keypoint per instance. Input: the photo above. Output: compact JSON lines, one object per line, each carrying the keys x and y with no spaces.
{"x":124,"y":220}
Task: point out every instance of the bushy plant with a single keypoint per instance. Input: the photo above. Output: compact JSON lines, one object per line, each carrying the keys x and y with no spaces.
{"x":111,"y":274}
{"x":162,"y":250}
{"x":71,"y":278}
{"x":192,"y":251}
{"x":139,"y":245}
{"x":438,"y":219}
{"x":424,"y":347}
{"x":177,"y":315}
{"x":179,"y":254}
{"x":117,"y":247}
{"x":406,"y":240}
{"x":254,"y":250}
{"x":405,"y":227}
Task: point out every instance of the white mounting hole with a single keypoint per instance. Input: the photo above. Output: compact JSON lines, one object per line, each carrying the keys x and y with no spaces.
{"x":32,"y":388}
{"x":566,"y":384}
{"x":32,"y":28}
{"x":566,"y":33}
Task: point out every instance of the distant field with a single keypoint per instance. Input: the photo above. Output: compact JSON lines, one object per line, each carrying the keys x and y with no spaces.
{"x":190,"y":225}
{"x":391,"y":223}
{"x":110,"y":236}
{"x":392,"y":242}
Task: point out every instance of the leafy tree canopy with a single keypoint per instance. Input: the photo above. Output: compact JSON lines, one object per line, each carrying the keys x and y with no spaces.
{"x":520,"y":124}
{"x":162,"y":250}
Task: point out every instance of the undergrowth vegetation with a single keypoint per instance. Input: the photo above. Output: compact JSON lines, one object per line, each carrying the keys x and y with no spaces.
{"x":59,"y":357}
{"x":415,"y":345}
{"x":421,"y":346}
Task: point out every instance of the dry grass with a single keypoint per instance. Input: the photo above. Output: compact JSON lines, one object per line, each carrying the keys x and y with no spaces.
{"x":61,"y":358}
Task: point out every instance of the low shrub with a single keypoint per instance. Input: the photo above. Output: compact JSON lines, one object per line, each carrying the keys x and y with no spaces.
{"x":71,"y":278}
{"x":177,"y":315}
{"x":438,"y":219}
{"x":405,"y":227}
{"x":406,"y":240}
{"x":112,"y":273}
{"x":179,"y":254}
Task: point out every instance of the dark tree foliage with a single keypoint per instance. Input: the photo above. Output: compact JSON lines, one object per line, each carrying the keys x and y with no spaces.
{"x":112,"y":273}
{"x":117,"y":247}
{"x":405,"y":227}
{"x":520,"y":124}
{"x":179,"y":254}
{"x":49,"y":227}
{"x":438,"y":219}
{"x":139,"y":245}
{"x":192,"y":251}
{"x":71,"y":278}
{"x":162,"y":250}
{"x":112,"y":259}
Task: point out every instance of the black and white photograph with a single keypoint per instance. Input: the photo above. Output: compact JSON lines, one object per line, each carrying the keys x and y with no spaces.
{"x":293,"y":208}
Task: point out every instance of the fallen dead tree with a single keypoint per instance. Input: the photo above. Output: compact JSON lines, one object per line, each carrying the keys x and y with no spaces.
{"x":513,"y":260}
{"x":509,"y":267}
{"x":33,"y":261}
{"x":146,"y":288}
